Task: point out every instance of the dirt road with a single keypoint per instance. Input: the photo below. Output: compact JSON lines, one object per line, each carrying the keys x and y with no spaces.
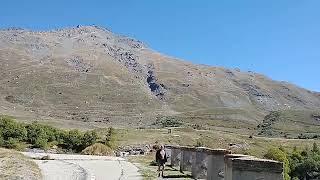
{"x":78,"y":167}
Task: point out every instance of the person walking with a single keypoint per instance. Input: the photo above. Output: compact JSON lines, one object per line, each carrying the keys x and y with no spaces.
{"x":161,"y":159}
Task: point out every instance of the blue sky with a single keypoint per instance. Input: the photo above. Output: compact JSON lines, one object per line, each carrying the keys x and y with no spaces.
{"x":280,"y":39}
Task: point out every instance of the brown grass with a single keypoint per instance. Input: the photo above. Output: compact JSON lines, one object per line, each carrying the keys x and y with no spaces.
{"x":98,"y":149}
{"x":14,"y":165}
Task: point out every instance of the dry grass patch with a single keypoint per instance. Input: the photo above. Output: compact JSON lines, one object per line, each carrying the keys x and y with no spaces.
{"x":14,"y":165}
{"x":98,"y":149}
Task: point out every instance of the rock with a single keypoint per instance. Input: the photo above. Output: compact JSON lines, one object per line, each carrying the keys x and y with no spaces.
{"x":316,"y":117}
{"x":157,"y":89}
{"x":78,"y":64}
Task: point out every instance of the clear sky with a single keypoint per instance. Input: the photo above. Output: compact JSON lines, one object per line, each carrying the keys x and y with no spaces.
{"x":279,"y":38}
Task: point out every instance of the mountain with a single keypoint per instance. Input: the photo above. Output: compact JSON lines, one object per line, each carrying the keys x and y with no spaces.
{"x":87,"y":75}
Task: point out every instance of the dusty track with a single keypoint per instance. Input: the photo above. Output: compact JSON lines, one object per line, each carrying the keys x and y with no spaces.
{"x":74,"y":167}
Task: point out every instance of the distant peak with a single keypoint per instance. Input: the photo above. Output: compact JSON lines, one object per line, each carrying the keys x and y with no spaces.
{"x":91,"y":27}
{"x":77,"y":30}
{"x":12,"y":29}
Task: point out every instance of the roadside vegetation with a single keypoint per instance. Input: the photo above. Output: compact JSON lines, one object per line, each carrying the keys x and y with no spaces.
{"x":16,"y":135}
{"x":298,"y":164}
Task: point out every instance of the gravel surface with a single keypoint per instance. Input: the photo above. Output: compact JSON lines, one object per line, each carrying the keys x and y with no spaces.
{"x":78,"y":167}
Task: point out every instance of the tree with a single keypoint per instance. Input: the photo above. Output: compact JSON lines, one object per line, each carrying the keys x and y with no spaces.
{"x":14,"y":134}
{"x":110,"y":137}
{"x":315,"y":148}
{"x":305,"y":164}
{"x":41,"y":142}
{"x":11,"y":129}
{"x":89,"y":138}
{"x":73,"y":140}
{"x":308,"y":168}
{"x":36,"y":134}
{"x":279,"y":155}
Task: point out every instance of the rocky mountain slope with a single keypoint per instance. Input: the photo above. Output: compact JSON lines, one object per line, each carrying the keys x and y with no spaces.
{"x":89,"y":74}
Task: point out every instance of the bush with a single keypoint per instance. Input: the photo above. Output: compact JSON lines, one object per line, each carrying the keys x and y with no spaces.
{"x":11,"y":143}
{"x":11,"y":129}
{"x":167,"y":122}
{"x":41,"y":143}
{"x":89,"y":138}
{"x":73,"y":141}
{"x":98,"y":149}
{"x":37,"y":135}
{"x":110,"y":138}
{"x":303,"y":164}
{"x":14,"y":134}
{"x":279,"y":154}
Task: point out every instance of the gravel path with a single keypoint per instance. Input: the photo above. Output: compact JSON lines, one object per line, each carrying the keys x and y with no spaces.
{"x":78,"y":167}
{"x":58,"y":169}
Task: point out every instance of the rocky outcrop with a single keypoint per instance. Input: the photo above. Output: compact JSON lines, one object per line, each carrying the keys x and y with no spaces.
{"x":78,"y":64}
{"x":156,"y":88}
{"x":316,"y":117}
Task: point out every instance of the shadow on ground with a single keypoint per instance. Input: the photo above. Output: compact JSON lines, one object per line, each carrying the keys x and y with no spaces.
{"x":173,"y":173}
{"x":177,"y":176}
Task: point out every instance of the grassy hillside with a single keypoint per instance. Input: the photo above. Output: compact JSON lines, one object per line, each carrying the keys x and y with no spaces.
{"x":291,"y":124}
{"x":14,"y":165}
{"x":89,"y":77}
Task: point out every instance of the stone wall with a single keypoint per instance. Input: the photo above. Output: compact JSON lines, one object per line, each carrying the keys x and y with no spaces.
{"x":216,"y":164}
{"x":174,"y":155}
{"x":227,"y":170}
{"x":209,"y":163}
{"x":187,"y":158}
{"x":219,"y":164}
{"x":200,"y":164}
{"x":248,"y":168}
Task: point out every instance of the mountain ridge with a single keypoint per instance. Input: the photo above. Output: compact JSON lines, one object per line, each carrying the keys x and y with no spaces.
{"x":89,"y":74}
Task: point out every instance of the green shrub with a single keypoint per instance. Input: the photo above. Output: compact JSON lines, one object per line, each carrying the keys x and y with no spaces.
{"x":303,"y":164}
{"x":60,"y":136}
{"x":15,"y":135}
{"x":89,"y":138}
{"x":110,"y":138}
{"x":11,"y":143}
{"x":36,"y":134}
{"x":73,"y":139}
{"x":278,"y":154}
{"x":167,"y":122}
{"x":11,"y":129}
{"x":41,"y":143}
